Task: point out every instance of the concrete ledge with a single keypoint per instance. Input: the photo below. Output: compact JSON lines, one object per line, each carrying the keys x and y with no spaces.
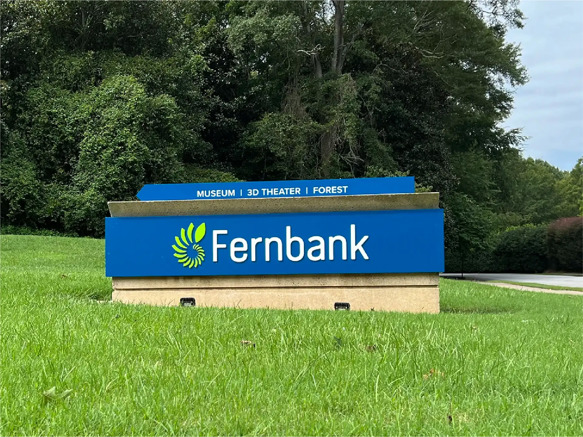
{"x":416,"y":293}
{"x":376,"y":202}
{"x":284,"y":281}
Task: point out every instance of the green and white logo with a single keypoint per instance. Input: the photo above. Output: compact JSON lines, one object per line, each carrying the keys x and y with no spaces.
{"x":189,"y":253}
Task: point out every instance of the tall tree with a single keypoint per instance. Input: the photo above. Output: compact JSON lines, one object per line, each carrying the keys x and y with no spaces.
{"x":264,"y":89}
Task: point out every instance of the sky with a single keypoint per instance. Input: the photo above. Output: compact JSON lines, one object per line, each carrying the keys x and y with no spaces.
{"x":549,"y":108}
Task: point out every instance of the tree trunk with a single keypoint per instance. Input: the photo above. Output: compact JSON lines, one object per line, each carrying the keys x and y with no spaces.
{"x":315,"y":55}
{"x":317,"y":66}
{"x":338,"y":35}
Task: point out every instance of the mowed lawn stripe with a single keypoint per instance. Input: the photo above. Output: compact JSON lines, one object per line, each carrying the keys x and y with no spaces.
{"x":495,"y":361}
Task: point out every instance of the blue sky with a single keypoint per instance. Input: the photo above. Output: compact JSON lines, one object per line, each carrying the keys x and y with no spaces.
{"x":549,"y":108}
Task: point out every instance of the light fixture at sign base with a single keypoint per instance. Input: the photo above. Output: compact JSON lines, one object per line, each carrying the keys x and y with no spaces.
{"x":187,"y":302}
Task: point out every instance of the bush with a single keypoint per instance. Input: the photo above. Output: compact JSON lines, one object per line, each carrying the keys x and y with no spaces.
{"x":23,"y":230}
{"x":21,"y":191}
{"x":468,"y":226}
{"x":193,"y":173}
{"x":83,"y":149}
{"x":478,"y":261}
{"x":565,"y":241}
{"x":522,"y":249}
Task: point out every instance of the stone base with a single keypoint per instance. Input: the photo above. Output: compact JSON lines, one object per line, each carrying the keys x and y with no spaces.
{"x":415,"y":293}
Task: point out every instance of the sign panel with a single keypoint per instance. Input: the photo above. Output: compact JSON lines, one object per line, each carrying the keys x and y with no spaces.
{"x":254,"y":190}
{"x":408,"y":241}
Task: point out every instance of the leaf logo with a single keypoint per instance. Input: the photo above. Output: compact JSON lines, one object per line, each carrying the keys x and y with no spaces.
{"x":187,"y":249}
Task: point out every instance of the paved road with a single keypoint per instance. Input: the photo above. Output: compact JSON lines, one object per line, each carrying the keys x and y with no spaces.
{"x":557,"y":280}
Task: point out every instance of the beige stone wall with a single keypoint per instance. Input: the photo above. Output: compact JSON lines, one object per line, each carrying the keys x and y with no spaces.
{"x":411,"y":293}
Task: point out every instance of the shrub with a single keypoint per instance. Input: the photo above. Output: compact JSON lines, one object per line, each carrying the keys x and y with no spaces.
{"x":467,"y":228}
{"x":23,"y":230}
{"x":81,"y":149}
{"x":522,"y":249}
{"x":193,"y":173}
{"x":20,"y":190}
{"x":478,"y":261}
{"x":565,"y":241}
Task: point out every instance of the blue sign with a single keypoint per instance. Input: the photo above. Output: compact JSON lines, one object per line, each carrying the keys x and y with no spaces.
{"x":403,"y":241}
{"x":253,"y":190}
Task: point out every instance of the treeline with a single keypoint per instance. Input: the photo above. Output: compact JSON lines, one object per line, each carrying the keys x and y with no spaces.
{"x":100,"y":98}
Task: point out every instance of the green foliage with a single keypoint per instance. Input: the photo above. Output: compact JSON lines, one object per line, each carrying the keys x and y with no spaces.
{"x":83,"y":149}
{"x":475,"y":174}
{"x":51,"y":123}
{"x":100,"y":98}
{"x":194,"y":173}
{"x":536,"y":195}
{"x":522,"y":249}
{"x":565,"y":241}
{"x":21,"y":191}
{"x":21,"y":230}
{"x":122,"y":148}
{"x":280,"y":145}
{"x":469,"y":225}
{"x":570,"y":189}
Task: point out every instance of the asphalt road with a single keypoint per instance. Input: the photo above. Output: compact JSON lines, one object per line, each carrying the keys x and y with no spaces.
{"x":557,"y":280}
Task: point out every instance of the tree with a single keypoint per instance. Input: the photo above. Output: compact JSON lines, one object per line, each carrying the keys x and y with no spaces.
{"x":570,"y":189}
{"x":468,"y":225}
{"x":92,"y":115}
{"x":536,"y":195}
{"x":256,"y":90}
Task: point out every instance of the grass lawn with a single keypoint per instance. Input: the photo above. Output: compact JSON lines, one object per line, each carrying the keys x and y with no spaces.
{"x":495,"y":361}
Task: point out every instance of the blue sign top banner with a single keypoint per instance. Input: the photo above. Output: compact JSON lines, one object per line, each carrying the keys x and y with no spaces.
{"x":270,"y":189}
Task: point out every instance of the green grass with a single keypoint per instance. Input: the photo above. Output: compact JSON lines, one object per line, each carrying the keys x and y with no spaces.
{"x":534,"y":285}
{"x":494,"y":362}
